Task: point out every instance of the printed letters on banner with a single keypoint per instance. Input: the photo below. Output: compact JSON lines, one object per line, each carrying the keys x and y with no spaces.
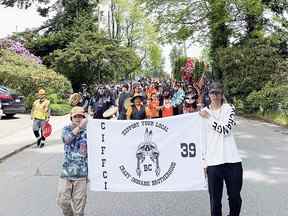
{"x":162,"y":154}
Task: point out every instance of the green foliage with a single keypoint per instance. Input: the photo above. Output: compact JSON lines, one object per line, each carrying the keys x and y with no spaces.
{"x":248,"y":68}
{"x":20,"y":3}
{"x":180,"y":20}
{"x":219,"y":33}
{"x":198,"y":70}
{"x":58,"y":39}
{"x":240,"y":105}
{"x":271,"y":98}
{"x":27,"y":77}
{"x":178,"y":64}
{"x":137,"y":30}
{"x":54,"y":98}
{"x":92,"y":58}
{"x":60,"y":109}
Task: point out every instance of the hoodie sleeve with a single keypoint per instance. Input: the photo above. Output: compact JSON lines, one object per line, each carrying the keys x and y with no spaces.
{"x":226,"y":122}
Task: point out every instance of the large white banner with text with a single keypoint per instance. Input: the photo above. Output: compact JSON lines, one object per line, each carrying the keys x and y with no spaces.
{"x":162,"y":154}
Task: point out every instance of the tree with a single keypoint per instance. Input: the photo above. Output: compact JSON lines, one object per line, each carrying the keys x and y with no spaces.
{"x":93,"y":59}
{"x":250,"y":67}
{"x":45,"y":45}
{"x":175,"y":53}
{"x":219,"y":33}
{"x":128,"y":24}
{"x":22,"y":3}
{"x":220,"y":23}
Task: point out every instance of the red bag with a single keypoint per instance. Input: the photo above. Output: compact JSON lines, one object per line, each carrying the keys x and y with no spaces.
{"x":47,"y":129}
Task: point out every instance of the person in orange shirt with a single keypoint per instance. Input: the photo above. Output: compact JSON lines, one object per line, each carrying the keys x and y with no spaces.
{"x":153,"y":106}
{"x":151,"y":90}
{"x":167,"y":108}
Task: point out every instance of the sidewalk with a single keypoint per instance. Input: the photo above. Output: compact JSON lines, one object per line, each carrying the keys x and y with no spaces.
{"x":16,"y":135}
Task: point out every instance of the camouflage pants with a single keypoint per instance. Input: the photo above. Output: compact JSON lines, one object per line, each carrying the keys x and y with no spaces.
{"x":71,"y":196}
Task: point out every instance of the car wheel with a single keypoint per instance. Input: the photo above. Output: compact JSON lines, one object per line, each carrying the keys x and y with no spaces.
{"x":10,"y":115}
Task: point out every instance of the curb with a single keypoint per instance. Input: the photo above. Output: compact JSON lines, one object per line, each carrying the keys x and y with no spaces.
{"x":20,"y":149}
{"x":262,"y":119}
{"x":5,"y":157}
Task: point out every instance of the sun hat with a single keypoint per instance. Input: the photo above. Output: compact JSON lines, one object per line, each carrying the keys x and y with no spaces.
{"x":137,"y":96}
{"x":77,"y":110}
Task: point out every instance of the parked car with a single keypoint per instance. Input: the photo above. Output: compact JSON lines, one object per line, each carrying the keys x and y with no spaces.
{"x":10,"y":102}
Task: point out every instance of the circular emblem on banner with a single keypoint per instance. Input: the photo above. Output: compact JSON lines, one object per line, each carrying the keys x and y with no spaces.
{"x":147,"y":171}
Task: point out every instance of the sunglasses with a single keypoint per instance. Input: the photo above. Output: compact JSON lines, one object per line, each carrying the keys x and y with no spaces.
{"x":215,"y":93}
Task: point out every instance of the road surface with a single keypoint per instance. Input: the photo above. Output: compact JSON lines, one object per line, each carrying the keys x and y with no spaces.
{"x":29,"y":181}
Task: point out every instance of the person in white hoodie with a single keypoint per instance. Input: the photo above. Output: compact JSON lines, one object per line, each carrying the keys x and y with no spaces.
{"x":223,"y":163}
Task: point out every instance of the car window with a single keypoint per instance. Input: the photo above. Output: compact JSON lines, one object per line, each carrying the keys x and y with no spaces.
{"x":2,"y":91}
{"x":3,"y":88}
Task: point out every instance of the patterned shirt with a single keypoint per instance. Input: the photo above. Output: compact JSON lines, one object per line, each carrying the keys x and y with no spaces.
{"x":75,"y":163}
{"x":178,"y":97}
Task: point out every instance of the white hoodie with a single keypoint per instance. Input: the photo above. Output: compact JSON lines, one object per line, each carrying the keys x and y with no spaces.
{"x":218,"y":140}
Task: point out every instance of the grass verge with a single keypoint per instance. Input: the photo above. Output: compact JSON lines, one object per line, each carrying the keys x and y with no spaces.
{"x":276,"y":118}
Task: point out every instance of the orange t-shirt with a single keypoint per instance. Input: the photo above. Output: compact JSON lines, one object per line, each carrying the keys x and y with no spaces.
{"x":167,"y":109}
{"x":153,"y":111}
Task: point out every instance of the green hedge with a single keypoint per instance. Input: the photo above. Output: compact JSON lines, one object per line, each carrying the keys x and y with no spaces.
{"x":60,"y":109}
{"x":27,"y":77}
{"x":250,"y":67}
{"x":272,"y":98}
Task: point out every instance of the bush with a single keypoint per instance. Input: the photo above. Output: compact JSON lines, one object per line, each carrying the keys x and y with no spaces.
{"x":239,"y":105}
{"x":56,"y":99}
{"x":272,"y":98}
{"x":28,"y":77}
{"x":249,"y":67}
{"x":60,"y":109}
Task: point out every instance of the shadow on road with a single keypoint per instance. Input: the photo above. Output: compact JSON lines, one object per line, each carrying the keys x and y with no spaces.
{"x":9,"y":118}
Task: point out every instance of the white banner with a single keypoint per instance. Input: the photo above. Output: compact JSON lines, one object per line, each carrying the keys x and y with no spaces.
{"x":162,"y":154}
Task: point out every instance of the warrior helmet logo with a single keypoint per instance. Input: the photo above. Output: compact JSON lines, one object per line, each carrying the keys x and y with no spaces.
{"x":147,"y":149}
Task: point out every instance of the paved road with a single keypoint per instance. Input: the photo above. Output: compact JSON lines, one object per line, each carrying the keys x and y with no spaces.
{"x":29,"y":180}
{"x":16,"y":133}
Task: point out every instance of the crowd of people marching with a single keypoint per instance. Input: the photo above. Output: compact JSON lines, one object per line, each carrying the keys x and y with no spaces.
{"x":147,"y":99}
{"x":143,"y":99}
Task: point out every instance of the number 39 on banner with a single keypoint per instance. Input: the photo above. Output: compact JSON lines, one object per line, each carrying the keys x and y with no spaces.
{"x":188,"y":150}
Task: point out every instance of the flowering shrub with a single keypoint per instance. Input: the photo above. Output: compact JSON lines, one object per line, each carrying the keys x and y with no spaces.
{"x":28,"y":77}
{"x":18,"y":47}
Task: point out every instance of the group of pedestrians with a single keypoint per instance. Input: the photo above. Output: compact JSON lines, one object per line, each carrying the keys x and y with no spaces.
{"x":145,"y":99}
{"x":150,"y":99}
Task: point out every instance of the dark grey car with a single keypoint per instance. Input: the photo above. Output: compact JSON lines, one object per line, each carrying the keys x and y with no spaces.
{"x":10,"y":102}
